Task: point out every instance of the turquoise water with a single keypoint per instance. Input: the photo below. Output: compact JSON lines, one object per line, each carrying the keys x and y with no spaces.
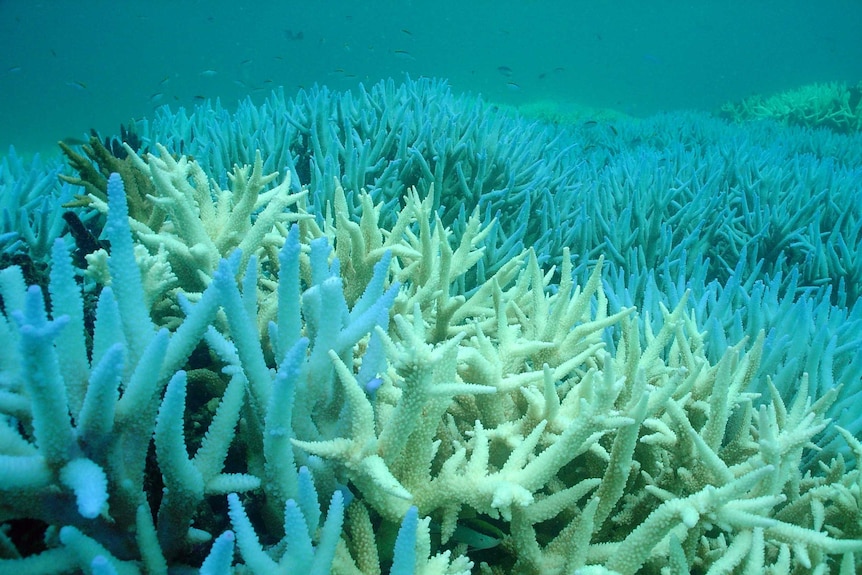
{"x":67,"y":67}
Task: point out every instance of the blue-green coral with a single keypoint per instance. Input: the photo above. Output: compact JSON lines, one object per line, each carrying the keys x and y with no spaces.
{"x":377,"y":358}
{"x":672,"y":202}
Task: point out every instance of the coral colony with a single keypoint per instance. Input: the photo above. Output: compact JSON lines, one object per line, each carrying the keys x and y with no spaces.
{"x":402,"y":331}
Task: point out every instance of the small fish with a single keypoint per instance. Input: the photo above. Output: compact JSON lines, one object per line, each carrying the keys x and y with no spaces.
{"x":403,"y":55}
{"x":73,"y":141}
{"x":13,"y":69}
{"x":157,"y":97}
{"x":208,"y":73}
{"x":406,"y":31}
{"x":513,"y":86}
{"x":474,"y":539}
{"x":199,"y":98}
{"x":475,"y":534}
{"x":245,"y":62}
{"x":504,"y":70}
{"x":77,"y":84}
{"x":164,"y":80}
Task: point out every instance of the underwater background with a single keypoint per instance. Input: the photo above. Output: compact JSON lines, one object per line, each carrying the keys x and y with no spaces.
{"x":70,"y":66}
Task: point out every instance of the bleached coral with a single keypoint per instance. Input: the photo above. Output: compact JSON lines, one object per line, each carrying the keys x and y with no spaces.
{"x":649,"y":445}
{"x":777,"y":252}
{"x":833,"y":105}
{"x":587,"y":439}
{"x":202,"y":223}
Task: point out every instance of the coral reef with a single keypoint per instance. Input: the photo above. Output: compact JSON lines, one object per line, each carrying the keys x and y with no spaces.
{"x":779,"y":243}
{"x":256,"y":376}
{"x":412,"y":400}
{"x":636,"y":196}
{"x":834,"y":105}
{"x":29,"y":218}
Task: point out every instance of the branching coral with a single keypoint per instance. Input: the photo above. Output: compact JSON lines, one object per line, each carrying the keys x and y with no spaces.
{"x":200,"y":223}
{"x":833,"y":105}
{"x":93,"y":169}
{"x":737,"y":213}
{"x":760,"y":221}
{"x":30,"y":220}
{"x":589,"y":440}
{"x":324,"y":379}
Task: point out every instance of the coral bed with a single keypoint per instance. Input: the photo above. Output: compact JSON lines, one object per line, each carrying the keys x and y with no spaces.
{"x":834,"y":105}
{"x":275,"y":373}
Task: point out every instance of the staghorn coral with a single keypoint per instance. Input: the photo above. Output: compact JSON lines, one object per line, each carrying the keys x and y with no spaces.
{"x":100,"y":161}
{"x":30,"y":218}
{"x":760,"y":221}
{"x":636,"y":196}
{"x":590,"y":440}
{"x":199,"y":224}
{"x":833,"y":105}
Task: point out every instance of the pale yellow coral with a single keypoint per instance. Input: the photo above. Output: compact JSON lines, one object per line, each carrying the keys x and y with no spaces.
{"x":532,"y":405}
{"x":205,"y":223}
